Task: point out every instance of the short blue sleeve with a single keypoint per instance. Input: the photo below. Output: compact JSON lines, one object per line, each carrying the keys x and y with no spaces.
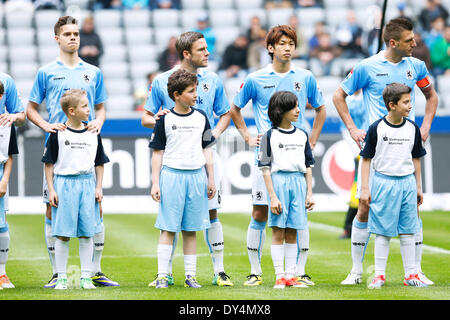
{"x":265,"y":150}
{"x":100,"y":91}
{"x":155,"y":97}
{"x":370,"y":142}
{"x":13,"y":102}
{"x":245,"y":93}
{"x":38,"y":91}
{"x":221,"y":104}
{"x":421,"y":69}
{"x":355,"y":80}
{"x":315,"y":97}
{"x":158,"y":140}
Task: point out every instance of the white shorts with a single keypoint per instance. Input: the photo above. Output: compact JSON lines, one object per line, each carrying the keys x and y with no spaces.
{"x":259,"y":190}
{"x":215,"y":203}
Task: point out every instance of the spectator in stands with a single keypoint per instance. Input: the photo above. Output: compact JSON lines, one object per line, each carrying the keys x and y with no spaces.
{"x":104,"y":4}
{"x":169,"y":57}
{"x":440,"y":54}
{"x":313,"y":42}
{"x":421,"y":51}
{"x":323,"y":57}
{"x":255,"y":29}
{"x":165,"y":4}
{"x":141,"y":93}
{"x":257,"y":56}
{"x":19,"y":6}
{"x":204,"y":28}
{"x":435,"y":33}
{"x":348,"y":36}
{"x":49,"y":4}
{"x":308,"y":4}
{"x":91,"y":47}
{"x":369,"y":39}
{"x":276,"y":4}
{"x":301,"y":51}
{"x":432,"y":10}
{"x":402,"y":12}
{"x":234,"y":59}
{"x":135,"y":4}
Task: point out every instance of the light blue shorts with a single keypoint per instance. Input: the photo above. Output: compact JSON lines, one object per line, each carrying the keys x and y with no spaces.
{"x":78,"y":213}
{"x":184,"y":200}
{"x":3,"y":223}
{"x":290,"y":188}
{"x":393,"y":209}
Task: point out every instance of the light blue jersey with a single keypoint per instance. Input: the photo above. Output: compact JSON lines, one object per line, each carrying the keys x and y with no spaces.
{"x":10,"y":101}
{"x":55,"y":78}
{"x":211,"y":95}
{"x":374,"y":73}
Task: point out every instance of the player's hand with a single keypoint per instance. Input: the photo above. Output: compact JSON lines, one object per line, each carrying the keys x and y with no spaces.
{"x":6,"y":119}
{"x":211,"y":190}
{"x":53,"y":199}
{"x":419,"y":197}
{"x":358,"y":135}
{"x":309,"y":203}
{"x":53,"y":127}
{"x":3,"y":188}
{"x":254,"y":141}
{"x":424,"y":133}
{"x":275,"y":205}
{"x":155,"y":193}
{"x":98,"y":194}
{"x":95,"y":126}
{"x":161,"y":113}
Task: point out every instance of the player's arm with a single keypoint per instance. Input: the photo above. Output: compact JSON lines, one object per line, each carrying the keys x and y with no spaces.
{"x":242,"y":127}
{"x":430,"y":106}
{"x":275,"y":204}
{"x":6,"y":174}
{"x":209,"y":166}
{"x":309,"y":203}
{"x":222,"y":124}
{"x":35,"y":117}
{"x":365,"y":171}
{"x":319,"y":120}
{"x":342,"y":109}
{"x":418,"y":176}
{"x":52,"y":196}
{"x":157,"y":156}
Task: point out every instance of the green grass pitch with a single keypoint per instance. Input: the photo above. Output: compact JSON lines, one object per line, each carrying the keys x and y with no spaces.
{"x":129,"y":257}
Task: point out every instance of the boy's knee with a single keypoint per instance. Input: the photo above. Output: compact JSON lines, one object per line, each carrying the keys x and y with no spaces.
{"x":363,"y":212}
{"x":260,"y":213}
{"x":212,"y":214}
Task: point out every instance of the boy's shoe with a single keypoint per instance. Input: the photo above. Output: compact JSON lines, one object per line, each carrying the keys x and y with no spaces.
{"x":169,"y":279}
{"x":352,"y":278}
{"x":280,"y":283}
{"x":305,"y":279}
{"x":191,"y":282}
{"x":253,"y":280}
{"x":222,"y":280}
{"x":377,"y":282}
{"x":52,"y":282}
{"x":86,"y":283}
{"x":414,"y":281}
{"x":162,"y":282}
{"x":61,"y":284}
{"x":100,"y":279}
{"x":293,"y":282}
{"x":424,"y":279}
{"x":5,"y":283}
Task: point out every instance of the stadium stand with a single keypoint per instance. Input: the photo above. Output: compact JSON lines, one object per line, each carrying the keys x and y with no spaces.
{"x":133,"y":40}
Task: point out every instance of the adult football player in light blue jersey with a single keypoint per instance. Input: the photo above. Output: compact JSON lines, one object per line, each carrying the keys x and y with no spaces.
{"x":11,"y":112}
{"x":193,"y":53}
{"x":67,"y":72}
{"x":259,"y":86}
{"x":394,"y":64}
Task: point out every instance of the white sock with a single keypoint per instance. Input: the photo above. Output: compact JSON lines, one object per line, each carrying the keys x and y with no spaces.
{"x":407,"y":251}
{"x":50,"y":241}
{"x":256,"y":236}
{"x":277,"y":252}
{"x":99,"y":244}
{"x":172,"y":253}
{"x":190,"y":264}
{"x":61,"y":257}
{"x":302,"y":250}
{"x":86,"y":251}
{"x":418,"y":239}
{"x":359,"y":239}
{"x":214,"y":241}
{"x":381,"y":254}
{"x":164,"y":251}
{"x":290,"y":259}
{"x":4,"y":248}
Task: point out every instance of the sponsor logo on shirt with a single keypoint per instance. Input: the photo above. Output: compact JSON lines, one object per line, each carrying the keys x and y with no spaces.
{"x":382,"y":74}
{"x":59,"y":78}
{"x":269,"y":87}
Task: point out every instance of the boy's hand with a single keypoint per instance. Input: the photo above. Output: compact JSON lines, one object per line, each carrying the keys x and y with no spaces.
{"x":3,"y":188}
{"x":161,"y":113}
{"x":156,"y":193}
{"x":365,"y":198}
{"x":275,"y":205}
{"x":53,"y":127}
{"x":99,"y":194}
{"x":419,"y":197}
{"x":309,"y":203}
{"x":53,"y":198}
{"x":211,"y":190}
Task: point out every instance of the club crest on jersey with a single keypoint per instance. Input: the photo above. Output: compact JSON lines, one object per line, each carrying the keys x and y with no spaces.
{"x":409,"y":75}
{"x":205,"y":87}
{"x":297,"y":86}
{"x":86,"y":78}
